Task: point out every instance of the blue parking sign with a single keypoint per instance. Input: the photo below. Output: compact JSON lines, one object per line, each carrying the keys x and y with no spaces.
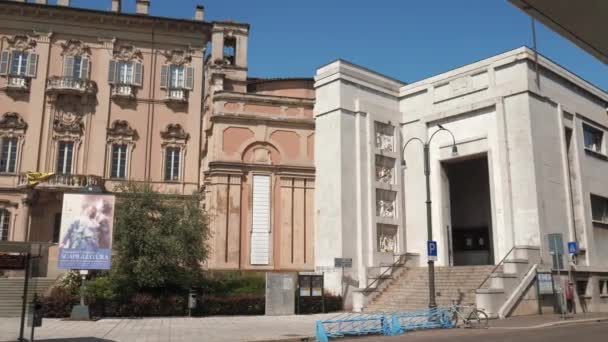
{"x":572,"y":247}
{"x":431,"y":248}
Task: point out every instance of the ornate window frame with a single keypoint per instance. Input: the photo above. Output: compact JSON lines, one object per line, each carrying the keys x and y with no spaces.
{"x":125,"y":53}
{"x":19,"y":43}
{"x":179,"y":58}
{"x":174,"y":136}
{"x":120,"y":132}
{"x":10,"y":208}
{"x":68,"y":126}
{"x":76,"y":48}
{"x":12,"y":125}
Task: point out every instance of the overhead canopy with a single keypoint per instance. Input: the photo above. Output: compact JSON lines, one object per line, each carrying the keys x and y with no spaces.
{"x":585,"y":23}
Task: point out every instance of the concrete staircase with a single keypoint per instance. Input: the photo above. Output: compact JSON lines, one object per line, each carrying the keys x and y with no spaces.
{"x":504,"y":290}
{"x":11,"y":292}
{"x":410,"y":289}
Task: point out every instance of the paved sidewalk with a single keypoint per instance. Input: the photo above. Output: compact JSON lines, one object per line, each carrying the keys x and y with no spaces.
{"x":178,"y":329}
{"x":541,"y":321}
{"x":228,"y":329}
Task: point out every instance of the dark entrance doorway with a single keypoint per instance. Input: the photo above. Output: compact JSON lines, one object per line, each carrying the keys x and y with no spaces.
{"x":470,"y":211}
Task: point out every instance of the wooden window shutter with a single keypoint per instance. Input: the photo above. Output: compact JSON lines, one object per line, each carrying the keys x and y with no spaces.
{"x":138,"y":78}
{"x":32,"y":65}
{"x":164,"y":76}
{"x":189,"y":78}
{"x":68,"y":66}
{"x":5,"y":58}
{"x":112,"y":72}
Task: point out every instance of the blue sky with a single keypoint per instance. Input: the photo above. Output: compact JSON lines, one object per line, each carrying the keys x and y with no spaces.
{"x":408,"y":40}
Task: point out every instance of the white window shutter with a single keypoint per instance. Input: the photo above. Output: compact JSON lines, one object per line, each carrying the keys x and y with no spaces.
{"x":5,"y":58}
{"x":32,"y":65}
{"x":189,"y":78}
{"x":260,"y":225}
{"x":164,"y":76}
{"x":112,"y":72}
{"x":84,"y":68}
{"x":68,"y":66}
{"x":138,"y":77}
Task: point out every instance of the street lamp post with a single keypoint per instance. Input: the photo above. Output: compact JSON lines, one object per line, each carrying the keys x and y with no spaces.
{"x":429,"y":218}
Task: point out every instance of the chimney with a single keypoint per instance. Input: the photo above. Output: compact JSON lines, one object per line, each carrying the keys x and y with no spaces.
{"x":199,"y":13}
{"x":142,"y":7}
{"x":65,"y":3}
{"x":116,"y":5}
{"x":42,"y":2}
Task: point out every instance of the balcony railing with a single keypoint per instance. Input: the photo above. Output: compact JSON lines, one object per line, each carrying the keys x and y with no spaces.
{"x":70,"y":85}
{"x":123,"y":90}
{"x":177,"y":95}
{"x":66,"y":182}
{"x":19,"y":83}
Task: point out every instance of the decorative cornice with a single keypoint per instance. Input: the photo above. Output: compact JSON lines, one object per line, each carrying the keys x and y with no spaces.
{"x":127,"y":52}
{"x":21,"y":42}
{"x":8,"y":204}
{"x":121,"y":128}
{"x":75,"y":47}
{"x":178,"y":56}
{"x":276,"y":120}
{"x":12,"y":121}
{"x":174,"y":132}
{"x":264,"y":99}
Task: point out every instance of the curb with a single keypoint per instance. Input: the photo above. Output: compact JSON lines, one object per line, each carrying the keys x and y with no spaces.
{"x":559,"y":323}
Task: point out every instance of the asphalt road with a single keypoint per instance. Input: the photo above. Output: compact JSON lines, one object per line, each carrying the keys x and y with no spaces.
{"x":582,"y":332}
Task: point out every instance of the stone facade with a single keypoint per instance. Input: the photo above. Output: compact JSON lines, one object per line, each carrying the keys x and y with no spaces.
{"x":543,"y":145}
{"x":134,"y":97}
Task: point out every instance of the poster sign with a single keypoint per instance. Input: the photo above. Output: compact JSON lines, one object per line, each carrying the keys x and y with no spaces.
{"x":545,"y":283}
{"x":343,"y":262}
{"x":86,"y":232}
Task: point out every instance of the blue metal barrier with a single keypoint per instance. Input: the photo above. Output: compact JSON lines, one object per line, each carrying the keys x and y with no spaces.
{"x":384,"y":323}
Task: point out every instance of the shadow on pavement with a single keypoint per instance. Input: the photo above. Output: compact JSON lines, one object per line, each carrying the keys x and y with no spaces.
{"x":76,"y":339}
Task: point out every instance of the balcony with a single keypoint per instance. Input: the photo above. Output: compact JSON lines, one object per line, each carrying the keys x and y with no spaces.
{"x":177,"y":95}
{"x":123,"y":91}
{"x":17,"y":83}
{"x":70,"y":85}
{"x":65,"y":182}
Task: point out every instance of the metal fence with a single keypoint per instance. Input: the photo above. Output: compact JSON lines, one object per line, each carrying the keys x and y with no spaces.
{"x":382,"y":323}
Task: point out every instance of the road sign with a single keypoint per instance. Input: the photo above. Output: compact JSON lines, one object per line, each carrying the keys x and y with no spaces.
{"x":343,"y":262}
{"x":431,"y":248}
{"x":572,"y":247}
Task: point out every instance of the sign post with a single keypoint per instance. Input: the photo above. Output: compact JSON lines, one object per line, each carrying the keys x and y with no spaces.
{"x":342,"y":263}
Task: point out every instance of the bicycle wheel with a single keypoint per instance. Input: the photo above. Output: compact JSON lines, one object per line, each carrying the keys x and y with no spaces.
{"x":478,"y":319}
{"x":454,"y":319}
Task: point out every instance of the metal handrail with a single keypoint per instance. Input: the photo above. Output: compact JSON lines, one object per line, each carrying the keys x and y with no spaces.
{"x":398,"y":263}
{"x":496,"y":267}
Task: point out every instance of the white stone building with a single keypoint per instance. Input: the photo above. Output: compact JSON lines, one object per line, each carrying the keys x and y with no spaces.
{"x":532,"y":160}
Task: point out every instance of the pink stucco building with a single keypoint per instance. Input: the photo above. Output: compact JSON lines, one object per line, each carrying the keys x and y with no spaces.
{"x":103,"y":97}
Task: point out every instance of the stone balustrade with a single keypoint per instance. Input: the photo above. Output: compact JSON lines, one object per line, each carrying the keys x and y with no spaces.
{"x":70,"y":85}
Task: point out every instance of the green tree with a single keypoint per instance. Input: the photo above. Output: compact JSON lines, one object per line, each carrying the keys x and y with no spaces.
{"x":159,"y":241}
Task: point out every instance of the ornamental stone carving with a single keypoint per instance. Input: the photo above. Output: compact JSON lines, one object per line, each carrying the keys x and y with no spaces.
{"x":174,"y":132}
{"x":127,"y":53}
{"x":384,"y":174}
{"x":386,"y":236}
{"x":262,"y":156}
{"x":68,"y":116}
{"x":21,"y":42}
{"x":12,"y":121}
{"x":386,"y":208}
{"x":121,"y":128}
{"x":74,"y":47}
{"x":384,"y":169}
{"x":385,"y":134}
{"x":178,"y":57}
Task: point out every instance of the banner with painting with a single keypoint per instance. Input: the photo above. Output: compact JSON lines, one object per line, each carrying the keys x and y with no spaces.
{"x":86,"y":232}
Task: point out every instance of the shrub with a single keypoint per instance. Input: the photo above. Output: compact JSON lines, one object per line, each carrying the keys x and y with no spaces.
{"x":230,"y":305}
{"x":309,"y":305}
{"x":58,"y":303}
